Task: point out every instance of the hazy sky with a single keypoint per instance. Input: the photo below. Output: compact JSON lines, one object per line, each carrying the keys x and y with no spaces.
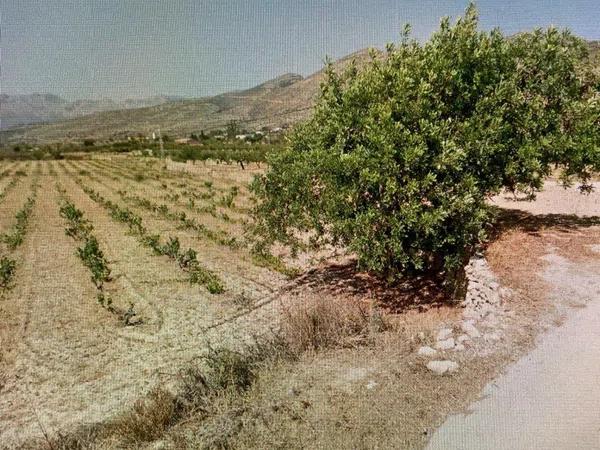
{"x":137,"y":48}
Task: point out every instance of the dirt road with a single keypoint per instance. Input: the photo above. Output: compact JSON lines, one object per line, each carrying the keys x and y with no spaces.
{"x":550,"y":399}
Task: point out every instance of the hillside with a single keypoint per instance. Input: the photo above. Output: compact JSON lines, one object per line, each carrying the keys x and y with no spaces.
{"x":283,"y":100}
{"x":22,"y":110}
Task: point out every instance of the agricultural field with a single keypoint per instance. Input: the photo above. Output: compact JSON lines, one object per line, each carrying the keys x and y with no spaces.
{"x":114,"y":272}
{"x":119,"y":271}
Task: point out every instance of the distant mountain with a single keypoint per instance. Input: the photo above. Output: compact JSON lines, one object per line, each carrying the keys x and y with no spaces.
{"x":283,"y":100}
{"x":20,"y":110}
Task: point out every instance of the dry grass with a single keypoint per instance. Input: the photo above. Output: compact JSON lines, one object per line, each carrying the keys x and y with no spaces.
{"x":214,"y":390}
{"x":319,"y":323}
{"x":148,"y":419}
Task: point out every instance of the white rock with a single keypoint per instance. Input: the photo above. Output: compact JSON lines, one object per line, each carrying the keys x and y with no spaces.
{"x":444,"y":333}
{"x":470,"y":329}
{"x":442,"y":367}
{"x":491,"y":320}
{"x":492,"y":337}
{"x":459,"y":348}
{"x":371,"y":384}
{"x":426,"y":351}
{"x":462,"y":338}
{"x":472,"y":313}
{"x":446,"y":344}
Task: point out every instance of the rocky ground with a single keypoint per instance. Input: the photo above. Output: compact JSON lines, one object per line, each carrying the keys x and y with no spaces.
{"x":481,"y":323}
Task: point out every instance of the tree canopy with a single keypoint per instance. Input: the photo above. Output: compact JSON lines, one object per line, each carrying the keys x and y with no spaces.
{"x":400,"y":155}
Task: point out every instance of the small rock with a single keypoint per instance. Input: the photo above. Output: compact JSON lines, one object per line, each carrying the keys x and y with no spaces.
{"x":459,"y":348}
{"x":444,"y":333}
{"x":492,"y":337}
{"x":491,"y":320}
{"x":462,"y":338}
{"x":293,"y":391}
{"x":470,"y":329}
{"x":426,"y":351}
{"x":446,"y":344}
{"x":421,"y":336}
{"x":442,"y":367}
{"x":471,"y":313}
{"x":371,"y":384}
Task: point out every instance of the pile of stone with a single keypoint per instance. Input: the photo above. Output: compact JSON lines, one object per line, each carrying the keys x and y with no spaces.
{"x":482,"y":309}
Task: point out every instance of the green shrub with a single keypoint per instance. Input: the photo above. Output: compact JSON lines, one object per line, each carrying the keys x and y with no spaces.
{"x":94,"y":259}
{"x":171,"y":248}
{"x":153,"y":241}
{"x":399,"y":157}
{"x":77,"y":226}
{"x":7,"y":270}
{"x":187,"y":258}
{"x":15,"y":237}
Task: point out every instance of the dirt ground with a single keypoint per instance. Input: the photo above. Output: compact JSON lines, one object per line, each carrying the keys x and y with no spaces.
{"x":66,"y":361}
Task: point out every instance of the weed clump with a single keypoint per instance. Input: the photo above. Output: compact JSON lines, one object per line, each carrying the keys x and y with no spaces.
{"x":148,"y":419}
{"x":320,"y":324}
{"x":7,"y":270}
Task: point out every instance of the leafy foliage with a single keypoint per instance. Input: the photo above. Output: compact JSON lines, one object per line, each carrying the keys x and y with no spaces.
{"x":94,"y":259}
{"x":14,"y":238}
{"x":77,"y":226}
{"x":7,"y":270}
{"x":398,"y":159}
{"x":90,"y":253}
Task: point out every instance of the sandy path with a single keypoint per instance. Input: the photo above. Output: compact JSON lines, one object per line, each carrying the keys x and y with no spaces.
{"x":554,"y":199}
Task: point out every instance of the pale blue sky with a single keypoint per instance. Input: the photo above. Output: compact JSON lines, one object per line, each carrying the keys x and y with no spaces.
{"x":138,"y":48}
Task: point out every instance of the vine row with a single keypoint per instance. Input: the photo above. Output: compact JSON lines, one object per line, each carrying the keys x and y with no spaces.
{"x":187,"y":260}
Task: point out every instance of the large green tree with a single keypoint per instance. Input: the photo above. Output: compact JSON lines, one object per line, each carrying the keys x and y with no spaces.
{"x":400,"y":155}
